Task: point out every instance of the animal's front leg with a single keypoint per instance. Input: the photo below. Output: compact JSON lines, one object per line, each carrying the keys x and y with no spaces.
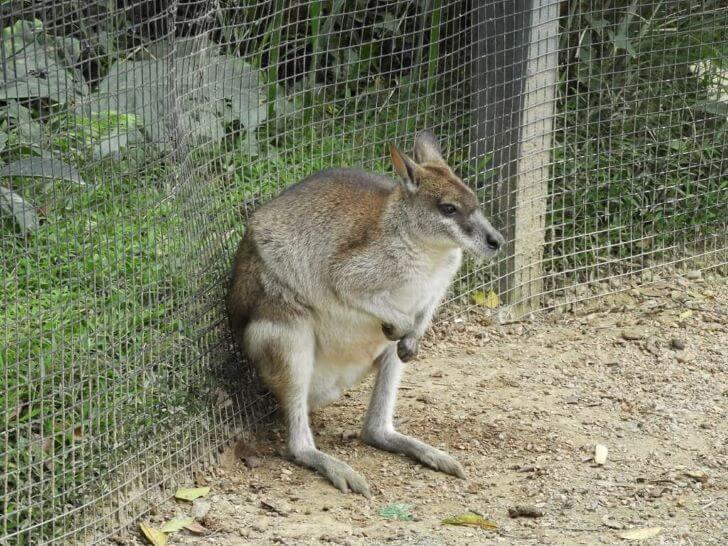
{"x":409,"y":345}
{"x":379,"y":429}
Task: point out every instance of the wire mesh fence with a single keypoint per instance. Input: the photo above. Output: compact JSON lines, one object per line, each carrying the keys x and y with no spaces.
{"x":136,"y":137}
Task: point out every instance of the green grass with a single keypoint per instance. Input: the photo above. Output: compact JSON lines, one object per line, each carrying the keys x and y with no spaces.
{"x":101,"y":305}
{"x":639,"y":168}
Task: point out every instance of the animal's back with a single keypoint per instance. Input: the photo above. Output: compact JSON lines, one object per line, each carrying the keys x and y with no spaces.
{"x":341,"y":199}
{"x":298,"y":232}
{"x":289,"y":240}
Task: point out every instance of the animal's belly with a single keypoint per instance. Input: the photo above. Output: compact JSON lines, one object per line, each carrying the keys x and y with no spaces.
{"x":346,"y":346}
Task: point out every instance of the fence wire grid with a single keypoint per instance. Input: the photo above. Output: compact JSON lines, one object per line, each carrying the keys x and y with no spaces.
{"x":137,"y":136}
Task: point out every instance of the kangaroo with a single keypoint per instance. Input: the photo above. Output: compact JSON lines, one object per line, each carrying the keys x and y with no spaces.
{"x":341,"y":274}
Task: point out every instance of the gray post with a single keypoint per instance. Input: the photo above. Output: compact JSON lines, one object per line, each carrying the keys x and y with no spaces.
{"x":535,"y":157}
{"x":514,"y":77}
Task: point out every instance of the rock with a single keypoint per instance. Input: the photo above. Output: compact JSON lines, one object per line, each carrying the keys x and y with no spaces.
{"x":525,"y":512}
{"x":260,"y":526}
{"x":681,"y":357}
{"x":600,"y":454}
{"x":694,"y":275}
{"x":251,"y":461}
{"x":697,"y":475}
{"x":425,"y":399}
{"x":633,"y":334}
{"x":611,"y":524}
{"x":279,"y":507}
{"x":677,"y":343}
{"x":652,"y":346}
{"x":200,"y":508}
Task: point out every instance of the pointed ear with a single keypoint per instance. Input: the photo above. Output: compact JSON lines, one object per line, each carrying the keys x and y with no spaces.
{"x":406,"y":169}
{"x":427,"y":148}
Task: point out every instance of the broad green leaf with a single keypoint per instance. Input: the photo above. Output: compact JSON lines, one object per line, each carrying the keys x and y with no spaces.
{"x":191,"y":494}
{"x":3,"y":140}
{"x":22,"y":212}
{"x":212,"y":90}
{"x":115,"y":141}
{"x":35,"y":72}
{"x":28,"y":128}
{"x":176,"y":524}
{"x":42,"y":167}
{"x":473,"y":520}
{"x":397,"y":511}
{"x":713,"y":107}
{"x":71,"y":48}
{"x":182,"y":47}
{"x":15,"y":37}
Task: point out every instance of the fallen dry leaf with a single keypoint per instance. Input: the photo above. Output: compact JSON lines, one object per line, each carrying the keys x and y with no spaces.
{"x":196,"y":528}
{"x":640,"y":534}
{"x":698,"y":475}
{"x":155,"y":537}
{"x":600,"y":454}
{"x":192,"y":493}
{"x":470,"y":519}
{"x":176,"y":524}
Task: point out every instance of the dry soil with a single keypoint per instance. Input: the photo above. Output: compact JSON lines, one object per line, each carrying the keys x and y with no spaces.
{"x":522,"y":406}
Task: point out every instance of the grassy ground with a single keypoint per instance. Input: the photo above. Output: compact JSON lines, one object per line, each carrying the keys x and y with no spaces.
{"x":98,"y":303}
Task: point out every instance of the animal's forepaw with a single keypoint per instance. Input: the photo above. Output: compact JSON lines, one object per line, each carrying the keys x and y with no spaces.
{"x":395,"y":333}
{"x":407,"y":348}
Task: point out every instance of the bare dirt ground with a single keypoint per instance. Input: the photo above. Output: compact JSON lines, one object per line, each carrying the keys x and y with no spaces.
{"x":522,"y":406}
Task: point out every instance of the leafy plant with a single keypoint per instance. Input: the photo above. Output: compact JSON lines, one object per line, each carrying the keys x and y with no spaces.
{"x":211,"y":91}
{"x":35,"y":67}
{"x":641,"y":133}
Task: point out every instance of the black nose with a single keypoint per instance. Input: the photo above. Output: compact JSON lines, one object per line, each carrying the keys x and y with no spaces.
{"x":493,"y":241}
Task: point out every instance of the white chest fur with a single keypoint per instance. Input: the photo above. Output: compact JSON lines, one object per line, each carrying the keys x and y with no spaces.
{"x":348,"y":341}
{"x":429,"y":279}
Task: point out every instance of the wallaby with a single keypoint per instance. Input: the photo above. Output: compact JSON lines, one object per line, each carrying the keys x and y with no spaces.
{"x":341,"y":274}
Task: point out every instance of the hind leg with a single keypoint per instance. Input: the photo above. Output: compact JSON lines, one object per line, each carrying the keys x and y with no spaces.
{"x":379,"y":429}
{"x":284,"y":354}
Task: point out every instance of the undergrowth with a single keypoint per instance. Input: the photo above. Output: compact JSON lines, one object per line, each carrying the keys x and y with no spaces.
{"x":640,"y":164}
{"x":100,"y":305}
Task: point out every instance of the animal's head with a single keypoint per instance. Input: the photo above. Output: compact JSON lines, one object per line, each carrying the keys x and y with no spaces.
{"x":445,"y":210}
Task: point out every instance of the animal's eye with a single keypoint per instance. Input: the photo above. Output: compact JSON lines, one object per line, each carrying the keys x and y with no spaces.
{"x":447,"y":209}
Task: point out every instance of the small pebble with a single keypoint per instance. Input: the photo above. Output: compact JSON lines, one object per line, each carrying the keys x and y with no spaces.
{"x":525,"y":512}
{"x":251,"y":461}
{"x":200,"y":508}
{"x":633,"y":334}
{"x":694,"y":275}
{"x":677,"y":343}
